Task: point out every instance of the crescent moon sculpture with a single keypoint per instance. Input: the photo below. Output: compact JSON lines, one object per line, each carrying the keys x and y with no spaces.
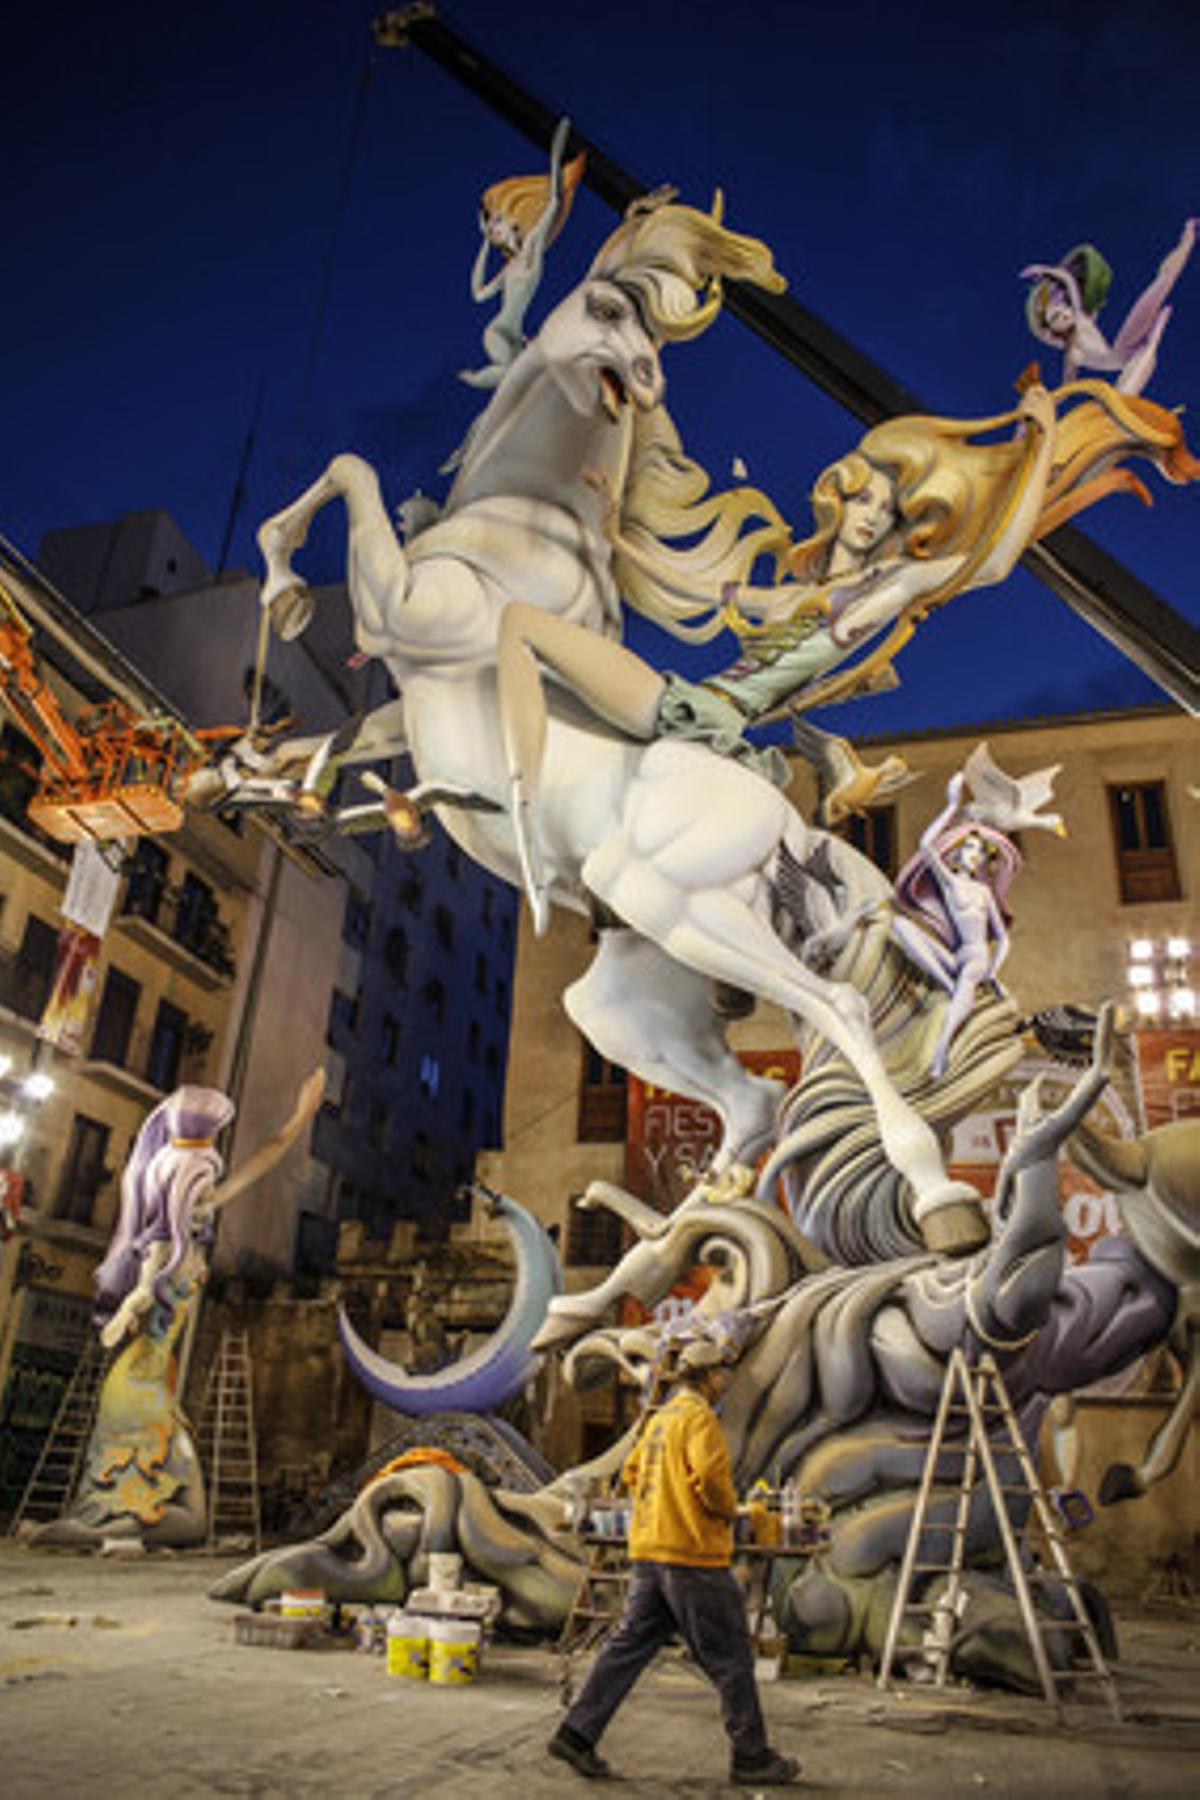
{"x":496,"y":1369}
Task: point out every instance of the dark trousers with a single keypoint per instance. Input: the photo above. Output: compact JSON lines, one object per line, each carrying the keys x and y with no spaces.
{"x":706,"y":1608}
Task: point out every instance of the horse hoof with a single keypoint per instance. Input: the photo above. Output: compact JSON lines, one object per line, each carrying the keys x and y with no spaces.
{"x":958,"y":1228}
{"x":291,"y":609}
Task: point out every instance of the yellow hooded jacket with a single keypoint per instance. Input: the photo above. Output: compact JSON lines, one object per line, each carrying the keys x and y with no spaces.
{"x":679,"y":1474}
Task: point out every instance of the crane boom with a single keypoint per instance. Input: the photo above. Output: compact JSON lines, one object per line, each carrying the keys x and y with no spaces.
{"x":1149,"y":631}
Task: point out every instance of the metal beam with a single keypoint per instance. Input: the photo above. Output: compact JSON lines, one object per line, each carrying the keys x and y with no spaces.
{"x":1149,"y":631}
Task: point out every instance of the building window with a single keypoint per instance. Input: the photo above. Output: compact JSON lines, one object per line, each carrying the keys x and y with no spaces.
{"x":454,"y":861}
{"x":500,"y":1000}
{"x":389,"y":1039}
{"x":480,"y":972}
{"x":395,"y":954}
{"x":84,"y":1172}
{"x":377,"y":1124}
{"x":26,"y":983}
{"x":1146,"y":868}
{"x":874,"y":834}
{"x":466,"y":1110}
{"x":114,"y":1021}
{"x":435,"y":999}
{"x":166,"y":1047}
{"x":473,"y":1040}
{"x":430,"y":1076}
{"x":356,"y":922}
{"x":602,"y":1100}
{"x":18,"y":774}
{"x":343,"y":1014}
{"x":419,"y":1161}
{"x":147,"y":882}
{"x":443,"y":925}
{"x":595,"y":1238}
{"x":411,"y":891}
{"x":488,"y":905}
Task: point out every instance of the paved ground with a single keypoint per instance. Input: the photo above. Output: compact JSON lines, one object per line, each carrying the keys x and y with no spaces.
{"x":124,"y":1679}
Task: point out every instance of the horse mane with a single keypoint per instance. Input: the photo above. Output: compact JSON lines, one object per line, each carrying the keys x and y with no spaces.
{"x":673,"y":260}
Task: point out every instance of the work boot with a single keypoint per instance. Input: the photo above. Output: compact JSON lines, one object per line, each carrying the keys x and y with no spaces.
{"x":771,"y":1770}
{"x":582,"y":1757}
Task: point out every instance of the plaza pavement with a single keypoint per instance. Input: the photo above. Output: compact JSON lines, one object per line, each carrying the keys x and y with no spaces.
{"x":120,"y":1678}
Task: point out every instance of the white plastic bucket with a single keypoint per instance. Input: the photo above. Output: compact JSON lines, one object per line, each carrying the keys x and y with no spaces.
{"x":408,"y":1646}
{"x":453,"y":1651}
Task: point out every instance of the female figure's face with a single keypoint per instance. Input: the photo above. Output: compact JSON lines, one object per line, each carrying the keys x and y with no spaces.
{"x":1059,"y":314}
{"x":971,"y":854}
{"x":868,"y":515}
{"x":502,"y":231}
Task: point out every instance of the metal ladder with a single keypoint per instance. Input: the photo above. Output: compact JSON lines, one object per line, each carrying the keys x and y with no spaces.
{"x":982,"y":1398}
{"x":228,"y":1446}
{"x":55,"y":1476}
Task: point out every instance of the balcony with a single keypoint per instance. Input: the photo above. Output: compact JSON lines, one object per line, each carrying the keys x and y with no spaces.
{"x":128,"y":1073}
{"x":26,"y":843}
{"x":158,"y":918}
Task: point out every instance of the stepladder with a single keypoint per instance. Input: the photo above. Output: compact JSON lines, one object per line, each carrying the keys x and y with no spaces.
{"x":978,"y":1458}
{"x":55,"y":1476}
{"x":229,"y":1445}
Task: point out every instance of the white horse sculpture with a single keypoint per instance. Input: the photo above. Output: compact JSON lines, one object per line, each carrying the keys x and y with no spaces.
{"x":697,"y":867}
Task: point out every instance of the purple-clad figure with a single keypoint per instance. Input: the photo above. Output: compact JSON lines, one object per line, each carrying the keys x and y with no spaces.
{"x":1062,"y":306}
{"x":172,"y":1169}
{"x":957,"y":884}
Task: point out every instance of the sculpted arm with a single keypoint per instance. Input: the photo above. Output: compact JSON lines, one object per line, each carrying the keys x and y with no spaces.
{"x":1014,"y":1283}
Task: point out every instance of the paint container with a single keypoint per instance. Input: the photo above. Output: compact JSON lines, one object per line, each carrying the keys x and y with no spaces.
{"x":445,"y":1571}
{"x":453,"y":1651}
{"x":303,"y":1603}
{"x":408,"y":1646}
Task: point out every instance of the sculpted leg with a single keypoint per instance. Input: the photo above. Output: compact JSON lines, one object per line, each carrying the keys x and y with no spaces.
{"x":377,"y":570}
{"x":648,"y":1013}
{"x":619,"y":686}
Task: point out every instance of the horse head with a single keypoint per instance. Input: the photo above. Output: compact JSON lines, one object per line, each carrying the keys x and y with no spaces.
{"x":598,"y":351}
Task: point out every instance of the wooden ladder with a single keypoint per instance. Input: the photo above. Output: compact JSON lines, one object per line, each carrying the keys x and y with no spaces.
{"x":55,"y":1477}
{"x":978,"y":1393}
{"x":228,"y":1445}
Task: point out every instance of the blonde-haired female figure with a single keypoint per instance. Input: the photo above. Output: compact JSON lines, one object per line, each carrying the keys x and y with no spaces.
{"x":519,"y":217}
{"x":918,"y":512}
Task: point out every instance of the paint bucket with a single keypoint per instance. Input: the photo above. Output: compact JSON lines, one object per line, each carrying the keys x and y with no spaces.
{"x":445,"y":1571}
{"x":408,"y":1646}
{"x":303,"y":1603}
{"x":453,"y":1651}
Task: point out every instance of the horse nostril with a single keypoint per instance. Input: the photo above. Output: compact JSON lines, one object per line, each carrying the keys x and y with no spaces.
{"x":644,"y":371}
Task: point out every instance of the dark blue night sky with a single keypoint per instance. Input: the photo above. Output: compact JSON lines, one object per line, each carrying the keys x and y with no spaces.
{"x":206,"y":203}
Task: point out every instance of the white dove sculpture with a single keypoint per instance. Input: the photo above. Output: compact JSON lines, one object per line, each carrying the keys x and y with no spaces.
{"x":1010,"y":803}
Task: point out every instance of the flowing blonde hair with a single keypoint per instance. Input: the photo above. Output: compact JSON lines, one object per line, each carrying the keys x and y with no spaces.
{"x":950,"y":489}
{"x":524,"y":198}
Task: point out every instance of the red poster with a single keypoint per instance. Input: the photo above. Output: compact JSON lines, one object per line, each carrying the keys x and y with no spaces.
{"x":667,"y":1135}
{"x":12,"y":1187}
{"x":1168,"y":1067}
{"x":76,"y":973}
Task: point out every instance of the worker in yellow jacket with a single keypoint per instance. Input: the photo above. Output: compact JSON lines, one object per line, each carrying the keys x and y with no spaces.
{"x":680,"y":1548}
